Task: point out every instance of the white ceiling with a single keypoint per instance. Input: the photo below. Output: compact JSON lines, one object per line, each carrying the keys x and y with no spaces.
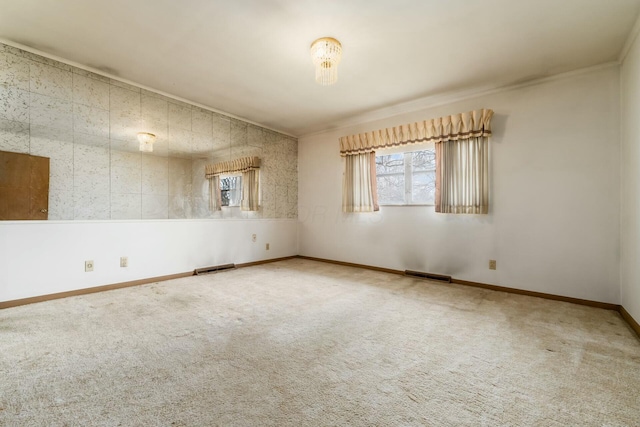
{"x":251,"y":58}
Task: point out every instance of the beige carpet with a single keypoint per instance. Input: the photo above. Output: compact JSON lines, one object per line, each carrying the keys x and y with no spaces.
{"x":303,"y":343}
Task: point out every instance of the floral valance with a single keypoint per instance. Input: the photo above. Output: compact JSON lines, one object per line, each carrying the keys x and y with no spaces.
{"x":449,"y":128}
{"x":243,"y":164}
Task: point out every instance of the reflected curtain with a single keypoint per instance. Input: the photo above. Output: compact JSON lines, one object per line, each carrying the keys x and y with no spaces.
{"x":250,"y":169}
{"x":250,"y":190}
{"x":215,"y":197}
{"x":462,"y":176}
{"x":359,"y":190}
{"x":231,"y":167}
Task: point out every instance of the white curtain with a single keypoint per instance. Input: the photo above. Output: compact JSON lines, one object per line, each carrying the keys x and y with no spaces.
{"x":249,"y":167}
{"x":471,"y":124}
{"x":250,"y":190}
{"x":215,"y":198}
{"x":359,"y":192}
{"x":232,"y":166}
{"x":462,"y":176}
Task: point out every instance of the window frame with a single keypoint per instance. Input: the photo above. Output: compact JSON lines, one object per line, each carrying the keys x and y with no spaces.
{"x":407,"y":151}
{"x":230,"y":175}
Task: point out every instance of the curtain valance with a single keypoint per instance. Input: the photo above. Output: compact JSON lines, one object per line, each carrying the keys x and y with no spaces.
{"x":243,"y":164}
{"x":476,"y":123}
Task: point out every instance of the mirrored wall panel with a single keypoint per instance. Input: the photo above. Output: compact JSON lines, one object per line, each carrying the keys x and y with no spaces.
{"x":88,"y":126}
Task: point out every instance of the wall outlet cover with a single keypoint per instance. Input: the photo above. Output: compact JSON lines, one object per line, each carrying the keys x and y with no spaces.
{"x":88,"y":266}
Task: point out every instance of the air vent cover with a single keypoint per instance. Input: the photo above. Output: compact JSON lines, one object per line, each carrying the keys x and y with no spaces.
{"x":430,"y":276}
{"x":214,"y":269}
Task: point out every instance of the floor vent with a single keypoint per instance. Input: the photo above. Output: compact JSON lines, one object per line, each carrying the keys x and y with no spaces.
{"x":430,"y":276}
{"x":214,"y":269}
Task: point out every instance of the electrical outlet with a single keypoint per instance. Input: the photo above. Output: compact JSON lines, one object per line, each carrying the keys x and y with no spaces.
{"x":267,"y":246}
{"x":253,"y":238}
{"x":124,"y":261}
{"x":492,"y":264}
{"x":88,"y":266}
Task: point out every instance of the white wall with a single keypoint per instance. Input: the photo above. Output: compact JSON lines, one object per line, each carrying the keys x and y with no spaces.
{"x":91,"y":149}
{"x":553,"y":224}
{"x":38,"y":258}
{"x":630,"y":182}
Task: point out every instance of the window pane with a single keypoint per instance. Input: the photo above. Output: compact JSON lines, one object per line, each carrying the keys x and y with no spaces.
{"x":390,"y":163}
{"x":390,"y":178}
{"x":423,"y":187}
{"x":391,"y":189}
{"x":423,"y":160}
{"x":231,"y":190}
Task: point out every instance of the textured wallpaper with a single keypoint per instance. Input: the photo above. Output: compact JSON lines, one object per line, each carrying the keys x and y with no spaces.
{"x":87,"y":125}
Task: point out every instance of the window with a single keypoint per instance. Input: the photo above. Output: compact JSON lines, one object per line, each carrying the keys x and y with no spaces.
{"x":406,"y":178}
{"x":231,"y":190}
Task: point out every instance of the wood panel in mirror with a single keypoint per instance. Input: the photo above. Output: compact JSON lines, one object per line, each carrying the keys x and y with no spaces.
{"x":24,"y":187}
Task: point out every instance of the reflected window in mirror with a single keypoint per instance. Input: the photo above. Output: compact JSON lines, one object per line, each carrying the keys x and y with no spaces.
{"x":231,"y":190}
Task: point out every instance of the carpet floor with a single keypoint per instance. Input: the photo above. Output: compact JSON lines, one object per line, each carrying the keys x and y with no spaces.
{"x":305,"y":343}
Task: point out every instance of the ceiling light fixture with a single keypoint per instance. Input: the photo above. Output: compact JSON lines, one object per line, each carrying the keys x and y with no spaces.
{"x":326,"y":53}
{"x":146,"y":141}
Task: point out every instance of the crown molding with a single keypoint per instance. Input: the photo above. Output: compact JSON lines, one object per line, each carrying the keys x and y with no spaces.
{"x":129,"y":82}
{"x":390,"y":111}
{"x":629,"y":42}
{"x":452,"y":97}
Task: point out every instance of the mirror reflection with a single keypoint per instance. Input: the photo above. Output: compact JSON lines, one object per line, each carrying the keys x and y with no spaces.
{"x":87,"y":126}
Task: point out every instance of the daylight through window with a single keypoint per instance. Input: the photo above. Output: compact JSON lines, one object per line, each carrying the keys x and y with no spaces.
{"x":231,"y":190}
{"x":407,"y":178}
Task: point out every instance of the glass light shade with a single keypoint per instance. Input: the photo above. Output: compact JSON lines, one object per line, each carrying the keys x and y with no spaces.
{"x":326,"y":54}
{"x":146,"y":141}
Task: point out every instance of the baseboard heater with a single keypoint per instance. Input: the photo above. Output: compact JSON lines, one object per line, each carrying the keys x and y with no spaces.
{"x":214,"y":269}
{"x":430,"y":276}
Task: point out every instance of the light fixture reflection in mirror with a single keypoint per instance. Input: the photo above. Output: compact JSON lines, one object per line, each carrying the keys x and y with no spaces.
{"x":146,"y":141}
